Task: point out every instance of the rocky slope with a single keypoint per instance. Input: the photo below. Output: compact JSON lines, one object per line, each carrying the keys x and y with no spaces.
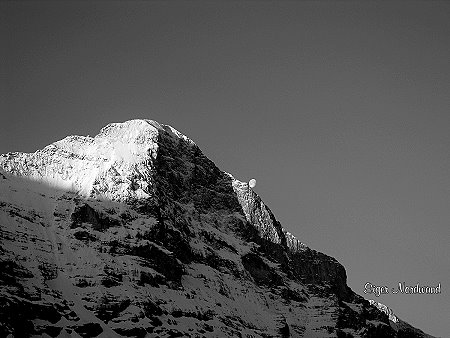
{"x":136,"y":233}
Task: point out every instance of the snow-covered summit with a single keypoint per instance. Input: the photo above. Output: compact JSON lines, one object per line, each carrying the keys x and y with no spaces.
{"x":115,"y":164}
{"x":138,"y":131}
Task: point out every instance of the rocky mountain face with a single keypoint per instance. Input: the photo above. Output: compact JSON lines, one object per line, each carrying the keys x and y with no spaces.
{"x":135,"y":233}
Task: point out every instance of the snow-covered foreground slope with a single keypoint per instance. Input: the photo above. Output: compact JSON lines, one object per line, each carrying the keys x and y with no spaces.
{"x":136,"y":233}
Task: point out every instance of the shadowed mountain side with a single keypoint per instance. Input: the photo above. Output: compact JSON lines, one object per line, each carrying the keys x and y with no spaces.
{"x":160,"y":242}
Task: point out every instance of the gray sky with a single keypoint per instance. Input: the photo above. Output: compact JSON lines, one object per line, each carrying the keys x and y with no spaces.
{"x":339,"y":109}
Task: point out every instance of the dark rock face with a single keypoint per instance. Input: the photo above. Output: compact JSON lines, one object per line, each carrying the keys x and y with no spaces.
{"x":89,"y":330}
{"x":313,"y":267}
{"x":86,"y":214}
{"x":160,"y":243}
{"x":260,"y":271}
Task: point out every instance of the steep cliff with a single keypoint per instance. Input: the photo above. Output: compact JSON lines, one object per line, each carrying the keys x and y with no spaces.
{"x":136,"y":233}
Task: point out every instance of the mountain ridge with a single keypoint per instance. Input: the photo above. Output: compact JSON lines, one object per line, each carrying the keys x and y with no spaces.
{"x":142,"y":232}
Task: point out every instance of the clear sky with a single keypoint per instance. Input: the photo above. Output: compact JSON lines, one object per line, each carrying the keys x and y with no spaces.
{"x":340,"y":110}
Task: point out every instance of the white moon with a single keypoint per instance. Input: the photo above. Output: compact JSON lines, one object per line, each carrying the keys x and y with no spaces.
{"x":252,"y":183}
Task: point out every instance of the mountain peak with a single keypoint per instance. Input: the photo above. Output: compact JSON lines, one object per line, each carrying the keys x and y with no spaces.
{"x":135,"y":131}
{"x":145,"y":236}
